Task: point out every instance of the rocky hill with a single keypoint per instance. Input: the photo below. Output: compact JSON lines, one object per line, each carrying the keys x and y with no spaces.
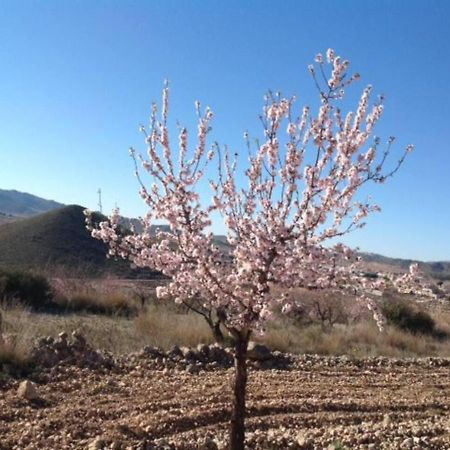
{"x":58,"y":240}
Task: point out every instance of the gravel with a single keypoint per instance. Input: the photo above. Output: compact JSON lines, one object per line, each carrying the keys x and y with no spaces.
{"x":180,"y":399}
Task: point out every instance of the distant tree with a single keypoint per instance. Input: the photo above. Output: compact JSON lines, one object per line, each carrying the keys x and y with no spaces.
{"x":328,"y":311}
{"x":284,"y":210}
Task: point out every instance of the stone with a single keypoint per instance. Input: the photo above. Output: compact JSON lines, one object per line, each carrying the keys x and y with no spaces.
{"x":27,"y":390}
{"x":258,"y":352}
{"x":203,"y":349}
{"x":50,"y":353}
{"x":96,"y":444}
{"x":63,"y":336}
{"x":79,"y":339}
{"x":303,"y":439}
{"x":187,"y":352}
{"x":175,"y":351}
{"x":387,"y":420}
{"x":190,"y":368}
{"x":407,"y":443}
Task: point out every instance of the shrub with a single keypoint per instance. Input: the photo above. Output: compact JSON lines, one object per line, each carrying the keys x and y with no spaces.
{"x":408,"y":318}
{"x":14,"y":359}
{"x":98,"y":303}
{"x":318,"y":307}
{"x":30,"y":289}
{"x":92,"y":296}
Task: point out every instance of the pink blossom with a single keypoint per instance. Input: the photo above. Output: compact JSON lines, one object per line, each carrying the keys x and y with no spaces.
{"x":301,"y":194}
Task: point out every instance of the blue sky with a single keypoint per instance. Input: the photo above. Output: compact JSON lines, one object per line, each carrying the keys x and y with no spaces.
{"x":77,"y":78}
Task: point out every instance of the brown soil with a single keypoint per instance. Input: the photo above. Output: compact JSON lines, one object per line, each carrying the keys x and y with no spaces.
{"x":134,"y":407}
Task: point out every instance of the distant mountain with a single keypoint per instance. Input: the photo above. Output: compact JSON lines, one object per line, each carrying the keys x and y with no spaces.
{"x":379,"y":263}
{"x":21,"y":204}
{"x":58,"y":240}
{"x":51,"y":235}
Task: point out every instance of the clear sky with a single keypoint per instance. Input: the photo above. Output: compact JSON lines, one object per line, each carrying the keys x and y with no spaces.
{"x":77,"y":78}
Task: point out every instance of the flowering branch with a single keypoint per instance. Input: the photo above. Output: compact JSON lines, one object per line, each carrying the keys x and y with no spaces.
{"x":283,"y":212}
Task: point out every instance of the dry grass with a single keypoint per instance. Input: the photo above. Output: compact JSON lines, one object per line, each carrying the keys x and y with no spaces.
{"x":98,"y":303}
{"x":103,"y":297}
{"x":359,"y":340}
{"x":14,"y":350}
{"x":14,"y":356}
{"x":113,"y":333}
{"x":156,"y":326}
{"x":163,"y":325}
{"x":442,"y":319}
{"x":165,"y":328}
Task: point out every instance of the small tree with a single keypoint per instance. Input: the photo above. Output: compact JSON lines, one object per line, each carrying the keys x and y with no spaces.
{"x":284,"y":210}
{"x":328,"y":310}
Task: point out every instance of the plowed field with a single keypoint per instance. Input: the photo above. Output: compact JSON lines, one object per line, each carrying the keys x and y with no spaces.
{"x":317,"y":406}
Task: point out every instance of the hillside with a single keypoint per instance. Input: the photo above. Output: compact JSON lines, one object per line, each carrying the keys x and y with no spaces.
{"x":58,"y":240}
{"x":21,"y":204}
{"x":6,"y":218}
{"x":378,"y":263}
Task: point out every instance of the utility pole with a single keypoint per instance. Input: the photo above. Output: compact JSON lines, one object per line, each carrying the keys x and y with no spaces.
{"x":100,"y":207}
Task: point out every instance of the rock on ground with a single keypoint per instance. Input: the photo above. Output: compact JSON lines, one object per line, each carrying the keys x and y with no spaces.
{"x":27,"y":390}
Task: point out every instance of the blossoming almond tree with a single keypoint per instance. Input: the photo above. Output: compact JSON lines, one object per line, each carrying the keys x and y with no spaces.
{"x":284,"y":210}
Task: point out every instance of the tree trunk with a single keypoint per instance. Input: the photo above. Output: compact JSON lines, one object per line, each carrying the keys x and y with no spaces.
{"x":237,"y":431}
{"x":217,"y":332}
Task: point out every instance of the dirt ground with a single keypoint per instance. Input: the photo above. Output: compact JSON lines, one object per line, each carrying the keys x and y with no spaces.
{"x":321,"y":405}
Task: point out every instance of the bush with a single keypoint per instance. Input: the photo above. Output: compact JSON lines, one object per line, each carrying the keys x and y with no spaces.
{"x":92,"y":296}
{"x":14,"y":359}
{"x":98,"y":303}
{"x":324,"y":308}
{"x":32,"y":290}
{"x":407,"y":318}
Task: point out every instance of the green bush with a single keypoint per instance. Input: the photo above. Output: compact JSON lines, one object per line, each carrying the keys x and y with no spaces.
{"x":408,"y":318}
{"x":31,"y":290}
